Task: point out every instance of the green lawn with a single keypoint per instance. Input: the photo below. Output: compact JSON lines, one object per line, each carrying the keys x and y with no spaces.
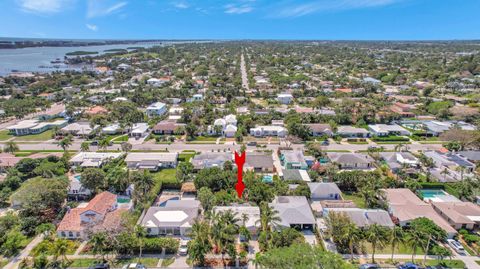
{"x":357,"y":199}
{"x":205,"y":138}
{"x":47,"y":135}
{"x":3,"y":263}
{"x":168,"y":262}
{"x":120,"y":139}
{"x":400,"y":249}
{"x":186,"y":156}
{"x":4,"y":135}
{"x":80,"y":263}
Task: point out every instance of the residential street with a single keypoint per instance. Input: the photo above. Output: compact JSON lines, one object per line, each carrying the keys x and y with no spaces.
{"x":181,"y":146}
{"x":244,"y":73}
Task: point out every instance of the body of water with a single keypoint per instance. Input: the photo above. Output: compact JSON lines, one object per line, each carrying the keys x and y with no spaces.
{"x":39,"y":59}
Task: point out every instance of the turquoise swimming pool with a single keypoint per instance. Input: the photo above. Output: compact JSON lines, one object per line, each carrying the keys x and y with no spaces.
{"x":432,"y":193}
{"x":437,"y":196}
{"x":267,"y":179}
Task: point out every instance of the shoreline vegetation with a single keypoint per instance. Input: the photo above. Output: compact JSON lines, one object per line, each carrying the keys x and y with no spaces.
{"x":81,"y":53}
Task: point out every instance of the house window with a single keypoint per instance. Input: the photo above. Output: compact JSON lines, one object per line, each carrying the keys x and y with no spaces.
{"x":63,"y":234}
{"x":70,"y":234}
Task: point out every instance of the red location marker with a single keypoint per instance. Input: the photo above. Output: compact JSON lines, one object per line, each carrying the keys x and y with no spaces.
{"x":240,"y":160}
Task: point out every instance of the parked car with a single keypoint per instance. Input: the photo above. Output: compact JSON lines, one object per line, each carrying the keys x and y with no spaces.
{"x":456,"y":246}
{"x":409,"y":265}
{"x":369,"y":266}
{"x":252,"y":143}
{"x":325,"y":143}
{"x":134,"y":266}
{"x":183,"y":249}
{"x":100,"y":266}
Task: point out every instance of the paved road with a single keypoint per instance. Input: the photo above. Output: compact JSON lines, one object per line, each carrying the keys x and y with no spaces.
{"x":180,"y":146}
{"x":13,"y":264}
{"x":243,"y":69}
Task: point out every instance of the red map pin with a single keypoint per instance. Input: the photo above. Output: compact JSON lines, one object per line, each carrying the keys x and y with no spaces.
{"x":240,"y":160}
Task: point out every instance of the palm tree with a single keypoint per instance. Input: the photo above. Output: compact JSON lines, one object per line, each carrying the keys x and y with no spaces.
{"x":85,"y":146}
{"x":351,"y":235}
{"x":199,"y":246}
{"x":99,"y":243}
{"x":445,"y":172}
{"x":103,"y":143}
{"x":66,"y":142}
{"x":268,"y":217}
{"x":60,"y":249}
{"x":126,"y":147}
{"x":397,"y":237}
{"x":414,"y":240}
{"x":11,"y":147}
{"x":140,"y":234}
{"x":377,"y":236}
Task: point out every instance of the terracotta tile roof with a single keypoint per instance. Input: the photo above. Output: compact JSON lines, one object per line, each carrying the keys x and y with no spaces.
{"x":71,"y":221}
{"x":96,"y":110}
{"x":101,"y":203}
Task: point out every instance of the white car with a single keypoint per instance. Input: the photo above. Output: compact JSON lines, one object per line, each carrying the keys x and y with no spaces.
{"x":456,"y":246}
{"x":183,"y":249}
{"x":134,"y":266}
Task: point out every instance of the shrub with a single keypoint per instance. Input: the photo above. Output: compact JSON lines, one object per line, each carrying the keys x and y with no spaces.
{"x":155,"y":245}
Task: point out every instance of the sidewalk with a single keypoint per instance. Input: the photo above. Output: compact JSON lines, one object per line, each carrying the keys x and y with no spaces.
{"x":13,"y":264}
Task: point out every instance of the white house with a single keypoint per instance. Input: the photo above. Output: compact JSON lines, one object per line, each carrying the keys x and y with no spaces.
{"x":227,"y":126}
{"x":388,"y":129}
{"x":156,"y":109}
{"x":151,"y":161}
{"x":260,"y":131}
{"x":139,"y":130}
{"x":285,"y":98}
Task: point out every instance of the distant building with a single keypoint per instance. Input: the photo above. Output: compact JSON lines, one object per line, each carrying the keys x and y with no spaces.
{"x":27,"y":127}
{"x":285,"y":98}
{"x":93,"y":159}
{"x":156,"y":109}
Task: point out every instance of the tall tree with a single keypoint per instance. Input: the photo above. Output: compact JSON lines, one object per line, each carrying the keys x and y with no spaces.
{"x":377,"y":236}
{"x":11,"y":147}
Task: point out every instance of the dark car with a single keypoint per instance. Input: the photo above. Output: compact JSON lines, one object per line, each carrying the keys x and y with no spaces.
{"x":369,"y":266}
{"x":253,"y":143}
{"x":325,"y":143}
{"x":100,"y":266}
{"x":409,"y":265}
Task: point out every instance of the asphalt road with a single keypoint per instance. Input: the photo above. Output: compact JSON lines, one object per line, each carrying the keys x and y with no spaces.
{"x":180,"y":146}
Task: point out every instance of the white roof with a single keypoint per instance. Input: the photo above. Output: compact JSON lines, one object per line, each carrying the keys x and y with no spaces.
{"x":139,"y":128}
{"x":171,"y":216}
{"x":24,"y":124}
{"x":156,"y":105}
{"x":83,"y":156}
{"x":269,"y":128}
{"x":151,"y":156}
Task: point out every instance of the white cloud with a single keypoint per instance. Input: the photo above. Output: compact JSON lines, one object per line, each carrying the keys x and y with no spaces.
{"x":298,"y":10}
{"x":92,"y":27}
{"x":100,"y":8}
{"x":181,"y":5}
{"x":238,"y":9}
{"x":44,"y":6}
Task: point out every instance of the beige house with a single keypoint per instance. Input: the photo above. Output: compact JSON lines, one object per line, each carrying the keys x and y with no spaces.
{"x":405,"y":206}
{"x":460,"y":215}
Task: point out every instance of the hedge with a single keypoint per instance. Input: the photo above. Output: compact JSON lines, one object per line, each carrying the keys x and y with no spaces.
{"x":156,"y":244}
{"x":391,"y":138}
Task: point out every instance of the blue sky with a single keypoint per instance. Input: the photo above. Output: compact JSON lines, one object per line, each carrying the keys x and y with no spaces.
{"x":242,"y":19}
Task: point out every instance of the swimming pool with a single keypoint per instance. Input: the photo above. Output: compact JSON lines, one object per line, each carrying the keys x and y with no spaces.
{"x":267,"y":179}
{"x":437,"y":196}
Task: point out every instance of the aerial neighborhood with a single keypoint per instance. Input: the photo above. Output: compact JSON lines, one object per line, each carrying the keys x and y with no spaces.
{"x":360,"y":154}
